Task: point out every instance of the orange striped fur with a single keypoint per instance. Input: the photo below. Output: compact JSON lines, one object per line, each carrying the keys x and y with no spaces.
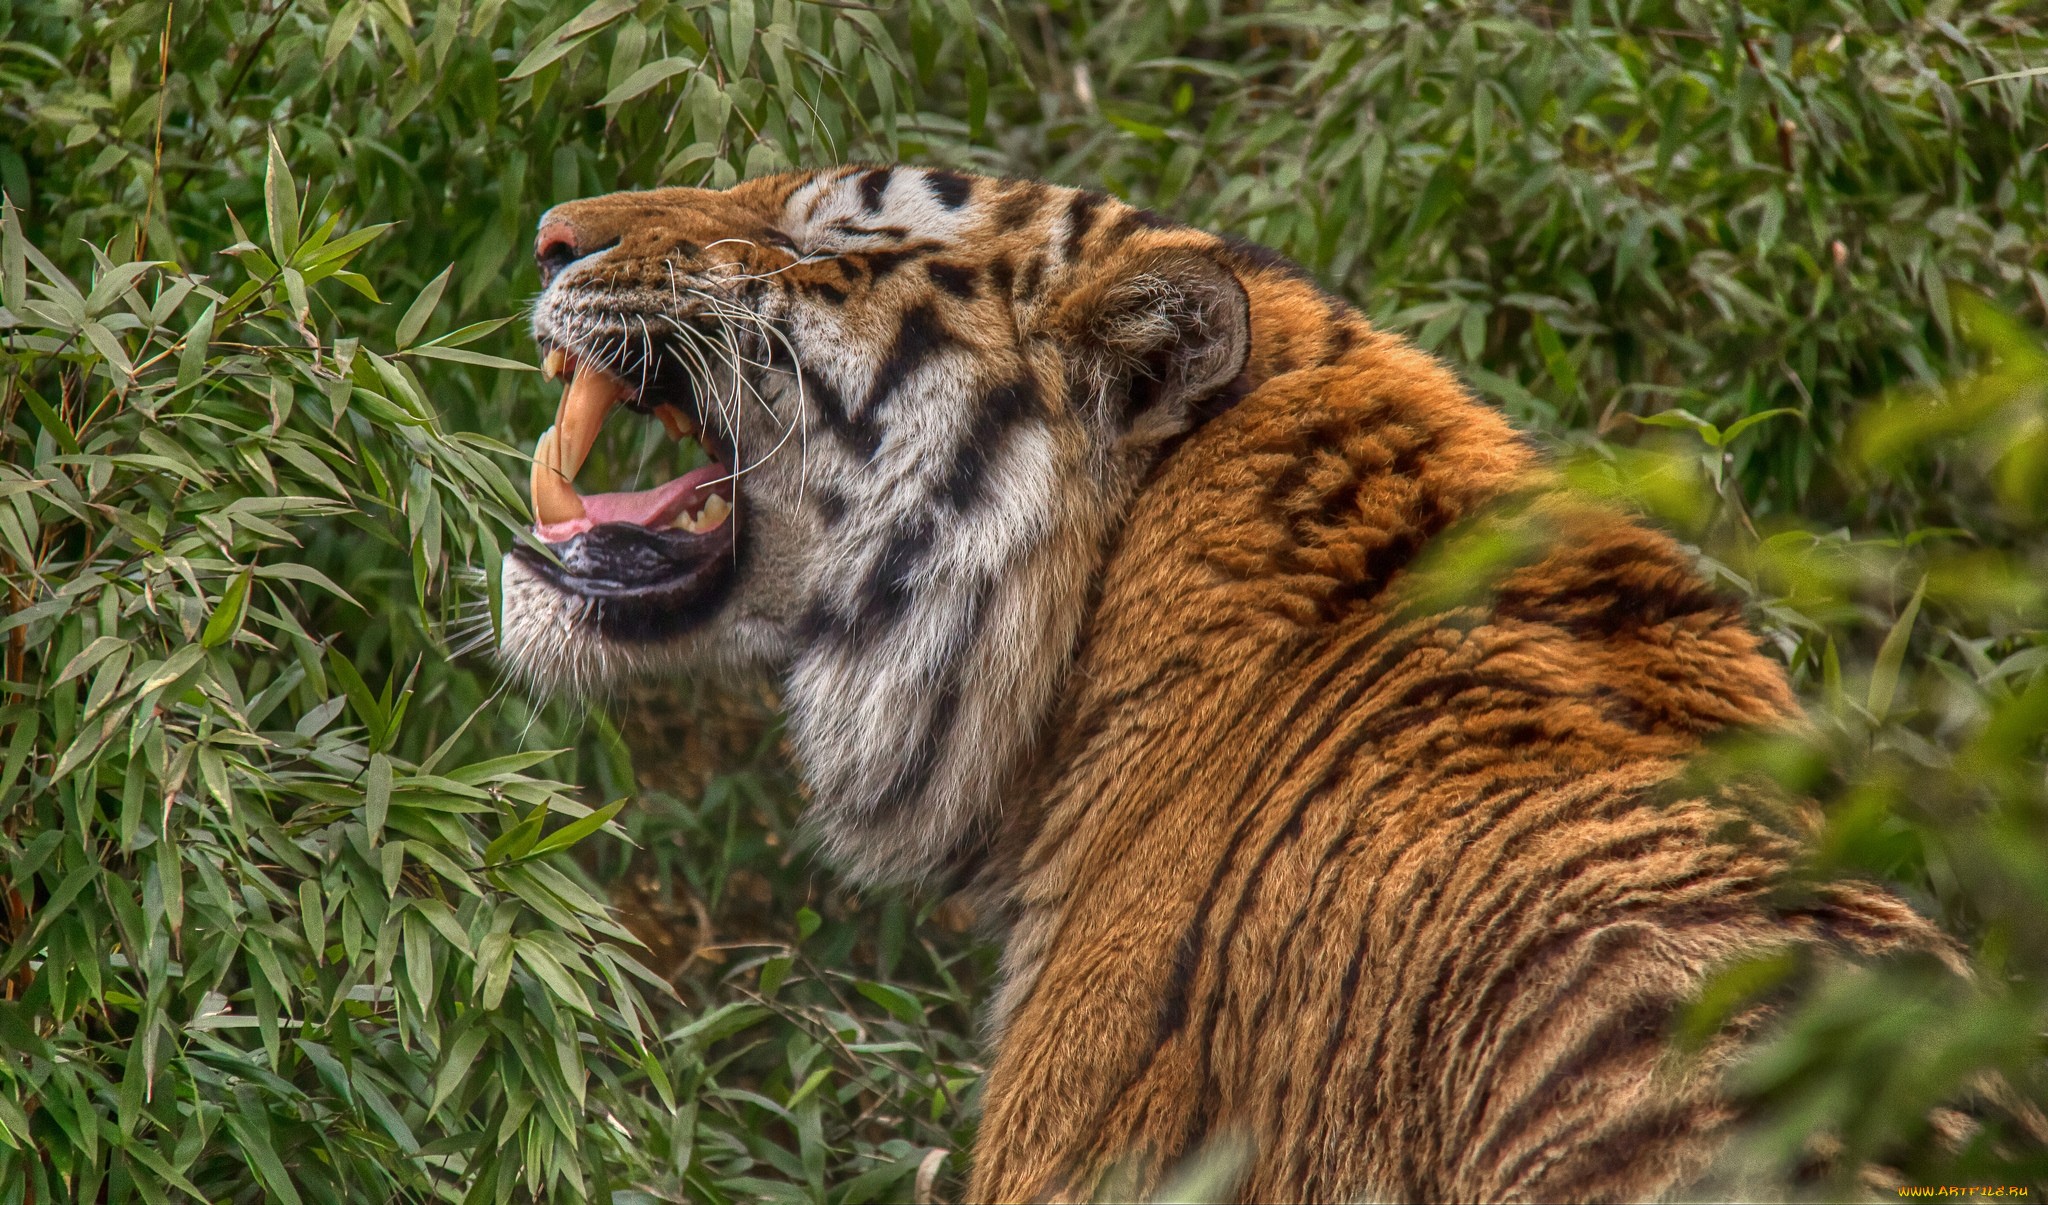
{"x":1101,"y":594}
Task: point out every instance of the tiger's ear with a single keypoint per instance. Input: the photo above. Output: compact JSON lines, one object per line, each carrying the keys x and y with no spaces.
{"x":1154,"y":333}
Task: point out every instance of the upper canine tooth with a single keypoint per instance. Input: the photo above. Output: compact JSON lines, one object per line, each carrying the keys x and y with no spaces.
{"x":552,"y":365}
{"x":585,"y":403}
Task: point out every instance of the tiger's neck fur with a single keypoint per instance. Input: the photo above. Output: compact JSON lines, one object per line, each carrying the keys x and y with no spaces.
{"x":933,"y":729}
{"x":1267,"y":532}
{"x":936,"y":647}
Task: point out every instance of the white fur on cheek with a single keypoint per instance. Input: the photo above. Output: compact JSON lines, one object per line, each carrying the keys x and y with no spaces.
{"x":547,"y":642}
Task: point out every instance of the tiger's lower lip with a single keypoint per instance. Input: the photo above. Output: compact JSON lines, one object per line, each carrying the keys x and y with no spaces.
{"x":645,"y":584}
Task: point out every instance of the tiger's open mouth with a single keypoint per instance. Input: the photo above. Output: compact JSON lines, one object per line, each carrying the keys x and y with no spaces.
{"x":656,"y":560}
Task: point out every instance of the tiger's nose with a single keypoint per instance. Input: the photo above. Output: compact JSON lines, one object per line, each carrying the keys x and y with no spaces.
{"x":558,"y":245}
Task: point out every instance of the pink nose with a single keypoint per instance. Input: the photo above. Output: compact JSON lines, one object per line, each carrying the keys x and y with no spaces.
{"x":555,"y":248}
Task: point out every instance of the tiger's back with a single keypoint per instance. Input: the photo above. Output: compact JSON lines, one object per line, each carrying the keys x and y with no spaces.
{"x":1394,"y":896}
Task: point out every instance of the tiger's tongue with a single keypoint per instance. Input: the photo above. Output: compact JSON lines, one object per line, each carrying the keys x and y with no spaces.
{"x":560,"y":512}
{"x":658,"y":508}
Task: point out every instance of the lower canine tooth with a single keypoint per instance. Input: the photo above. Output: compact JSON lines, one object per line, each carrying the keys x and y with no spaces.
{"x":713,"y":512}
{"x":554,"y":499}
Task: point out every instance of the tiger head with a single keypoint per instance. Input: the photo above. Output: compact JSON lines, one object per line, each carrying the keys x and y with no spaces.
{"x":926,"y":399}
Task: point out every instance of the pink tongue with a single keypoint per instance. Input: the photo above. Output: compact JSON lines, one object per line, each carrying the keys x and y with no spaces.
{"x":657,"y":507}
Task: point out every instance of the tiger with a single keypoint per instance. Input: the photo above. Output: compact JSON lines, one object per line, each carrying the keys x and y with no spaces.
{"x":1092,"y":555}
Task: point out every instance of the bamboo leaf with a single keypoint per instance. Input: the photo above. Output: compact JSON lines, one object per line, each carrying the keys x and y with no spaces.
{"x":457,"y":355}
{"x":280,"y":203}
{"x":377,"y":796}
{"x":228,"y":613}
{"x":647,"y":78}
{"x":1891,"y":657}
{"x":192,"y":360}
{"x":569,"y":834}
{"x":570,"y":35}
{"x":422,"y":308}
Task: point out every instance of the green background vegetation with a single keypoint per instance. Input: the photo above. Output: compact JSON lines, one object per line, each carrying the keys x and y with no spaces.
{"x":298,"y":902}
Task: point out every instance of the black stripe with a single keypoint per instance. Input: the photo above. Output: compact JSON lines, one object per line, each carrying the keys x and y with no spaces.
{"x":831,"y":504}
{"x":825,"y":623}
{"x":1080,"y":214}
{"x":1610,"y":1149}
{"x":1344,"y":336}
{"x":909,"y":784}
{"x":881,"y":263}
{"x":1287,"y":832}
{"x":1034,"y":275}
{"x":887,"y":590}
{"x":951,"y":188}
{"x":827,"y":293}
{"x":872,"y":186}
{"x":1129,"y":222}
{"x":1481,"y":1020}
{"x":957,"y":279}
{"x":966,"y":482}
{"x":1249,"y":257}
{"x":854,"y":624}
{"x":1180,"y":984}
{"x":919,"y":336}
{"x":913,"y":776}
{"x":1335,"y":769}
{"x":897,"y":232}
{"x":1602,"y":599}
{"x":1019,"y":208}
{"x":1506,"y":933}
{"x":1343,"y":332}
{"x":1002,"y":274}
{"x":1619,"y":1034}
{"x":1383,"y":662}
{"x":1198,"y":924}
{"x":1354,"y":688}
{"x":1334,"y":662}
{"x":1347,"y":992}
{"x":1507,"y":911}
{"x":1419,"y":912}
{"x":856,"y":432}
{"x":1342,"y":845}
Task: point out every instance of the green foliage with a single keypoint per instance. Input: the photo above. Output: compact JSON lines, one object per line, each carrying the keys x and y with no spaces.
{"x":1923,"y":659}
{"x":278,"y":919}
{"x":250,"y":940}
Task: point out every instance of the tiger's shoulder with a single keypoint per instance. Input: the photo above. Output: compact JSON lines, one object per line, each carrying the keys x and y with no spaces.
{"x":1368,"y":798}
